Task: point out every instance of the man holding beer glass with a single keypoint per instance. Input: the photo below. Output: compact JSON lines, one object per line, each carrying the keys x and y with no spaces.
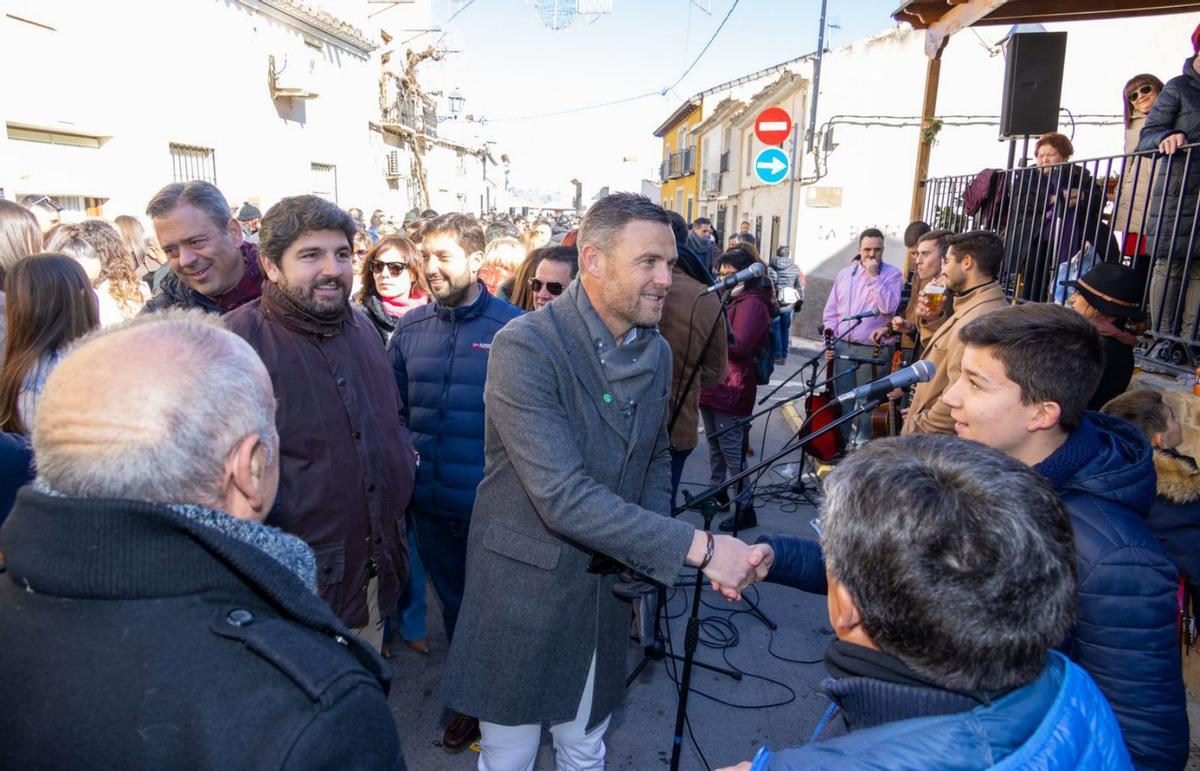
{"x":969,"y":270}
{"x":920,"y":321}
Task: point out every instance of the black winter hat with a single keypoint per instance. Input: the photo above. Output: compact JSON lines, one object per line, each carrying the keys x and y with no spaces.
{"x":248,"y":212}
{"x":1111,"y":288}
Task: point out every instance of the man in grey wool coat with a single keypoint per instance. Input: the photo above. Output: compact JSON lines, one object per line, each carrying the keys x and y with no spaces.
{"x":576,"y":468}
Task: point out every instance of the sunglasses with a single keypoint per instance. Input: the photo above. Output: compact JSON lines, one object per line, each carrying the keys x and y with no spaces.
{"x":1144,"y":90}
{"x":394,"y":269}
{"x":553,"y":287}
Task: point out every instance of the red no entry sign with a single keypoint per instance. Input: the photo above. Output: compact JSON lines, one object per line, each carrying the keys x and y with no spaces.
{"x":773,"y":126}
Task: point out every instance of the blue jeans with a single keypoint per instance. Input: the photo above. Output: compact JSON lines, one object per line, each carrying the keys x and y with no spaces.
{"x":781,"y":333}
{"x":442,"y":544}
{"x":412,"y":606}
{"x":857,"y":432}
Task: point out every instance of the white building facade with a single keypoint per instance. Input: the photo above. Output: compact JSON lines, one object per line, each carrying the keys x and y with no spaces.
{"x":264,"y":98}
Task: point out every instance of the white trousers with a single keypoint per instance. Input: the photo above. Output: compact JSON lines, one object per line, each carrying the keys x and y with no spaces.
{"x":515,"y":748}
{"x":372,"y":633}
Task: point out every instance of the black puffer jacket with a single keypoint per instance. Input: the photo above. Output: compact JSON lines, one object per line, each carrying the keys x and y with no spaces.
{"x":137,"y":637}
{"x":1177,"y":111}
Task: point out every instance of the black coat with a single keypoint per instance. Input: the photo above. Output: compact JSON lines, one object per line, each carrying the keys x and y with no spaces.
{"x":1176,"y":111}
{"x":120,"y":650}
{"x":1118,"y":371}
{"x":1175,"y":513}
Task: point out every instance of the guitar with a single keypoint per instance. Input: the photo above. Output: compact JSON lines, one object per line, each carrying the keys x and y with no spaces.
{"x":886,"y":419}
{"x":821,"y":410}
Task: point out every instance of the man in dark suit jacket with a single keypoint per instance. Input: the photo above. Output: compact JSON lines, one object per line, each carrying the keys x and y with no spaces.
{"x":151,"y":619}
{"x":576,"y":467}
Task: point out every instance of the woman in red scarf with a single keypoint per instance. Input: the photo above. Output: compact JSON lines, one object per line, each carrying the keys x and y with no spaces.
{"x":389,"y":283}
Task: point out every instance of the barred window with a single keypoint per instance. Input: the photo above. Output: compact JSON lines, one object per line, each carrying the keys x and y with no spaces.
{"x":324,"y":181}
{"x":189,"y":162}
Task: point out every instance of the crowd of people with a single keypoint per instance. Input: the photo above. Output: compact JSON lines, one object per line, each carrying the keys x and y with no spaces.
{"x":254,"y":436}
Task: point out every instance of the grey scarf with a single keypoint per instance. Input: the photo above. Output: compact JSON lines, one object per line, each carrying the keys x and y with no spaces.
{"x":629,"y":366}
{"x":286,"y":549}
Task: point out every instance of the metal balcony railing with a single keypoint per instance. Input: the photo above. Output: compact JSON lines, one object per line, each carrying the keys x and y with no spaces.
{"x":663,"y":171}
{"x":724,"y":162}
{"x":689,"y":161}
{"x":675,"y":166}
{"x":1140,"y":209}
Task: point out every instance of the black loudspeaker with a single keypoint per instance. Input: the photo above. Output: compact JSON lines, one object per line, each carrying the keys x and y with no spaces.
{"x":1033,"y":73}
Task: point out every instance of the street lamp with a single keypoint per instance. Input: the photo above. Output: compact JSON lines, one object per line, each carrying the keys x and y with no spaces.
{"x":456,"y":102}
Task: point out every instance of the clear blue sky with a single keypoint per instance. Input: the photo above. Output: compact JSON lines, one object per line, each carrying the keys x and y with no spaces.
{"x":512,"y":65}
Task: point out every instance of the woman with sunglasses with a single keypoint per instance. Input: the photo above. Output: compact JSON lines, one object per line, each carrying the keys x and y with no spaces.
{"x":1139,"y":96}
{"x":389,"y":283}
{"x":556,"y":269}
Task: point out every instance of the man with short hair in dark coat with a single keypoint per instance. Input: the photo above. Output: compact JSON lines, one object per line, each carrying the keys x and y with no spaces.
{"x":210,"y":264}
{"x":150,"y":618}
{"x":347,"y":460}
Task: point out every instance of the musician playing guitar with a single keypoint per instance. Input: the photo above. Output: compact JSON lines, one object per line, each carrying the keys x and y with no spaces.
{"x":867,"y":286}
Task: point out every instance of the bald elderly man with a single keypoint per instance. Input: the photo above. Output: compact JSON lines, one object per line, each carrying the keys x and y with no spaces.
{"x":150,"y":619}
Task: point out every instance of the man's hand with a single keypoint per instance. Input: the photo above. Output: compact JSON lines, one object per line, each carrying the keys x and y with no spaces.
{"x":901,"y":325}
{"x":828,"y":355}
{"x":878,"y":335}
{"x":870,"y":265}
{"x":760,"y":558}
{"x":1172,"y":143}
{"x":730,"y":568}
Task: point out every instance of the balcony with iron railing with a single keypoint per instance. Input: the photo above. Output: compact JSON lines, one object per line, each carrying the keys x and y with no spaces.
{"x":675,"y":166}
{"x":413,"y":113}
{"x":724,"y":162}
{"x":1056,"y":221}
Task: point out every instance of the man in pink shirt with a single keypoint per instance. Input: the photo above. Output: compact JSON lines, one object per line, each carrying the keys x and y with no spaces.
{"x":868,"y":284}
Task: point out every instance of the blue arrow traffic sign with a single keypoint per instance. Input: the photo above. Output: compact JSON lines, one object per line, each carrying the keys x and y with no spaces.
{"x":772,"y":165}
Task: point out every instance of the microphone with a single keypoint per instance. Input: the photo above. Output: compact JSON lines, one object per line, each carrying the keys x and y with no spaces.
{"x":860,"y":359}
{"x":921,"y":372}
{"x":757,"y":270}
{"x":864,"y":315}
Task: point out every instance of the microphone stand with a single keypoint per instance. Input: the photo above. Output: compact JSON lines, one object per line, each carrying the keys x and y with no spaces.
{"x":814,"y":362}
{"x":708,"y":508}
{"x":656,"y":650}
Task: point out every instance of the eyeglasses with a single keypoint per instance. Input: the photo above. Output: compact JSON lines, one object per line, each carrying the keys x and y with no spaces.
{"x":394,"y":269}
{"x":553,"y":287}
{"x":1143,"y":90}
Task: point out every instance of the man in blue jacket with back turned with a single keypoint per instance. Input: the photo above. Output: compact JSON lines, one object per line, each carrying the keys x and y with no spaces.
{"x":1027,"y":374}
{"x":440,"y":355}
{"x":950,"y":578}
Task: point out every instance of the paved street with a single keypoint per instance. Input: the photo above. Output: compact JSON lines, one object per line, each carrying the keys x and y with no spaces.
{"x":776,"y":699}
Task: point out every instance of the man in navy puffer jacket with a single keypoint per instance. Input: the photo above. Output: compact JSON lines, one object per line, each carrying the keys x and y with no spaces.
{"x":440,"y":355}
{"x":1028,"y":372}
{"x":951,"y":577}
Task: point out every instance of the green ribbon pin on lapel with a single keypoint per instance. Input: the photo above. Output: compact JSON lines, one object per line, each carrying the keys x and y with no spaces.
{"x":607,"y":398}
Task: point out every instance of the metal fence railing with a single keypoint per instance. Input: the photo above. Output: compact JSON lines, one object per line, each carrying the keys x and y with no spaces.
{"x":1140,"y":209}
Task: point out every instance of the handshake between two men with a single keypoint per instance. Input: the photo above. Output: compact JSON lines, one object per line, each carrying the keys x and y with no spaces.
{"x":729,"y":564}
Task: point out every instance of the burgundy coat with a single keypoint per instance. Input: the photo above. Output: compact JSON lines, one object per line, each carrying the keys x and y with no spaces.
{"x":347,"y":459}
{"x":750,"y":317}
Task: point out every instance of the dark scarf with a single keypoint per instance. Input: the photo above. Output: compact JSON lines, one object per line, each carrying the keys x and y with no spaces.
{"x":1108,"y":329}
{"x":871,"y":688}
{"x":250,"y":286}
{"x":278,"y":306}
{"x":1081,"y":446}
